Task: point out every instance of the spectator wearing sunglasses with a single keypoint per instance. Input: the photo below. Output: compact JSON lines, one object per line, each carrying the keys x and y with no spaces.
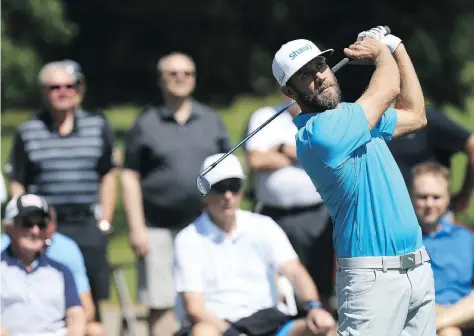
{"x":38,"y":295}
{"x":65,"y":154}
{"x":225,"y":263}
{"x":163,"y":153}
{"x":64,"y":250}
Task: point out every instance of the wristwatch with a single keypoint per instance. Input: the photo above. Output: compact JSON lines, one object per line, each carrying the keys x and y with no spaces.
{"x":104,"y":226}
{"x":312,"y":304}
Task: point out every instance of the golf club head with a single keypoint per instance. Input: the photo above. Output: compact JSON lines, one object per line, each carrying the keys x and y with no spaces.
{"x":203,"y":185}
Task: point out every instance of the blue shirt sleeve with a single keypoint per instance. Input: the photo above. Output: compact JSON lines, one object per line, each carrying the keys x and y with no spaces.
{"x":75,"y":262}
{"x":70,"y":290}
{"x":336,"y":134}
{"x":386,"y":125}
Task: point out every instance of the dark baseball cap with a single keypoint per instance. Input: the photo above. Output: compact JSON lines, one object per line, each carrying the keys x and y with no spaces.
{"x":25,"y":205}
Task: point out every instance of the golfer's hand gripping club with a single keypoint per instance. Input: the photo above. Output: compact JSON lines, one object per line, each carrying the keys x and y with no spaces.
{"x":203,"y":184}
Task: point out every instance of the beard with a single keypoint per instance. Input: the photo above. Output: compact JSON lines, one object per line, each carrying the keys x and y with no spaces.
{"x":326,"y":100}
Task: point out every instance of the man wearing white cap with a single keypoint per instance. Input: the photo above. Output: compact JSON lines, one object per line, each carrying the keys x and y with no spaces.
{"x":384,"y":280}
{"x":225,"y":263}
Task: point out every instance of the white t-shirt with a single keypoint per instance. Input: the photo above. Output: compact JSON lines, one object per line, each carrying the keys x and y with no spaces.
{"x":288,"y":186}
{"x":235,"y":272}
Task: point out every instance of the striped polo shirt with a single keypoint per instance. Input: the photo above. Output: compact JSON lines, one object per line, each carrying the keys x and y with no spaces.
{"x":66,"y":170}
{"x":35,"y":301}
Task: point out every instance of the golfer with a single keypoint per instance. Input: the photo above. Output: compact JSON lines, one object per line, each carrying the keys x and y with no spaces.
{"x":384,"y":281}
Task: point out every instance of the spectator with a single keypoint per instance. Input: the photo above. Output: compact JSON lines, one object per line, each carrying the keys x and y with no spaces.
{"x":450,"y":246}
{"x":225,"y":265}
{"x":64,"y":250}
{"x":438,"y":142}
{"x":64,"y":153}
{"x":285,"y":193}
{"x":39,"y":296}
{"x":164,"y":150}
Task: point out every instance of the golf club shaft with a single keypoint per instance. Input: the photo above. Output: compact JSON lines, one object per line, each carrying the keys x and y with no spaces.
{"x":337,"y":67}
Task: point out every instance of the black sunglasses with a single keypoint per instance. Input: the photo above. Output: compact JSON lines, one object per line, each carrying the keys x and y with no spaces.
{"x":65,"y":86}
{"x":234,"y":185}
{"x":28,"y":223}
{"x":185,"y":73}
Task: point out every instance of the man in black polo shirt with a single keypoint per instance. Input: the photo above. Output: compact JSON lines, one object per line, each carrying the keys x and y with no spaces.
{"x":438,"y":142}
{"x":65,"y":154}
{"x":164,"y":151}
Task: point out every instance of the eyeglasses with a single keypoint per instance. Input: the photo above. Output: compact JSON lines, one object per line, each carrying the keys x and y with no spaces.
{"x":29,"y":223}
{"x":64,"y":86}
{"x":234,"y":185}
{"x":185,"y":73}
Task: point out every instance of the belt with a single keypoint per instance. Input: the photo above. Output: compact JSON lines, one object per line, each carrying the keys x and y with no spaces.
{"x":402,"y":262}
{"x":288,"y":210}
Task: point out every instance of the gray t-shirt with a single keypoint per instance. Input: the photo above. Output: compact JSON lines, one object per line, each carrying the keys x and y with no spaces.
{"x":168,"y":157}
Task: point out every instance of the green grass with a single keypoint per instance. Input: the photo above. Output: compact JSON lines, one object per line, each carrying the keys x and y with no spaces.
{"x":235,"y":118}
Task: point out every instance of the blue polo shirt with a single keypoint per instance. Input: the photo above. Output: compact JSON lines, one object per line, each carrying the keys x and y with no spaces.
{"x":35,"y":301}
{"x":451,"y":249}
{"x":359,"y":181}
{"x":65,"y":251}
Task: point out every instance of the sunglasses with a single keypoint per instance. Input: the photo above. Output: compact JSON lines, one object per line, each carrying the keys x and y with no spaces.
{"x":64,"y":86}
{"x":28,"y":223}
{"x":233,"y":185}
{"x":185,"y":73}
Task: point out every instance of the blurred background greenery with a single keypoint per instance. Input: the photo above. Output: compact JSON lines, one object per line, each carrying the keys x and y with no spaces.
{"x":118,"y":43}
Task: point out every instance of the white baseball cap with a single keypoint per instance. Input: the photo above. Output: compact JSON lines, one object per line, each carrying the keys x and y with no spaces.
{"x":228,"y":168}
{"x":292,"y":56}
{"x":25,"y":205}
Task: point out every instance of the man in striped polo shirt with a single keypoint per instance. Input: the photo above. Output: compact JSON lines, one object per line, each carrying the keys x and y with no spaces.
{"x":64,"y":153}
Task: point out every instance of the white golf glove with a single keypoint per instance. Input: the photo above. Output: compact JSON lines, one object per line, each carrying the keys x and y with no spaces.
{"x":379,"y":33}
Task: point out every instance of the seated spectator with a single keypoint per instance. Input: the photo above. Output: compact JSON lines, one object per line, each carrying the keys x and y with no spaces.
{"x":38,"y":295}
{"x":64,"y":250}
{"x":450,"y":246}
{"x":225,"y":263}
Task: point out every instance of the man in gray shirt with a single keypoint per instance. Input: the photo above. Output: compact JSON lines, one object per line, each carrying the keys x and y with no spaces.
{"x":164,"y":151}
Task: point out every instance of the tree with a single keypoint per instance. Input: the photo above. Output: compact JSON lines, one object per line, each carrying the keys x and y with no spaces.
{"x":29,"y":29}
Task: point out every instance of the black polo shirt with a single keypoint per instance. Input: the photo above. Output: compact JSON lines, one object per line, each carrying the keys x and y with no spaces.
{"x":168,"y":157}
{"x":438,"y":141}
{"x":66,"y":170}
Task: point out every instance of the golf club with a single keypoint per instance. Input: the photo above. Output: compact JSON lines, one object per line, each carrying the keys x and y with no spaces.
{"x":203,"y":184}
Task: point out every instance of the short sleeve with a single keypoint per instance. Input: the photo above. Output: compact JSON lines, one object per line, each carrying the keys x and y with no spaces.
{"x":386,"y":125}
{"x":70,"y":290}
{"x":335,"y":134}
{"x":77,"y":267}
{"x":18,"y":162}
{"x":133,"y":148}
{"x":107,"y":162}
{"x":187,"y":266}
{"x":280,"y":247}
{"x":223,"y":140}
{"x":262,"y":140}
{"x":446,"y":134}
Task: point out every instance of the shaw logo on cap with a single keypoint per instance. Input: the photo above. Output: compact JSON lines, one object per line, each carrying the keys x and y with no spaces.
{"x":301,"y":50}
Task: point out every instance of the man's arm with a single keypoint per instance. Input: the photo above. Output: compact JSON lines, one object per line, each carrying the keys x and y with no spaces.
{"x":193,"y":304}
{"x":75,"y":321}
{"x":460,"y":201}
{"x":17,"y":167}
{"x":460,"y":314}
{"x":132,"y":191}
{"x":297,"y":274}
{"x":88,"y":304}
{"x":410,"y":104}
{"x":269,"y":160}
{"x":133,"y":205}
{"x":384,"y":85}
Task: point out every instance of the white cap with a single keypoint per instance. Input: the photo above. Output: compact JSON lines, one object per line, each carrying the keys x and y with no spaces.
{"x":23,"y":206}
{"x":228,"y":168}
{"x":292,"y":56}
